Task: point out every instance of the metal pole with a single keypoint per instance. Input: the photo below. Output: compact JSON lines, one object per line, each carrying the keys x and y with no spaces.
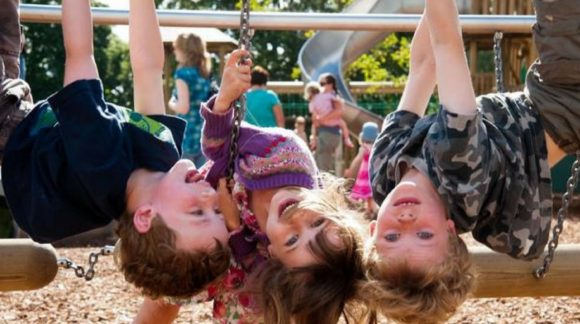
{"x":473,"y":24}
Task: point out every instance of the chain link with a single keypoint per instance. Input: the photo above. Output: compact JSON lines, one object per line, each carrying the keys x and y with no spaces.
{"x":240,"y":106}
{"x":541,"y":271}
{"x":80,"y":272}
{"x":497,"y":37}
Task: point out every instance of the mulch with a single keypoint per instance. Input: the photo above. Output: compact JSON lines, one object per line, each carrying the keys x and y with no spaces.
{"x":109,"y":299}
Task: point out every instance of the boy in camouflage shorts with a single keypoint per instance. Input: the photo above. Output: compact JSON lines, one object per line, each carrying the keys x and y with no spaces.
{"x":478,"y":166}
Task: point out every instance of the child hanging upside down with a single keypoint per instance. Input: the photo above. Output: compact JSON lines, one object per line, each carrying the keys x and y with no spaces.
{"x":76,"y":162}
{"x":303,"y":244}
{"x":475,"y":166}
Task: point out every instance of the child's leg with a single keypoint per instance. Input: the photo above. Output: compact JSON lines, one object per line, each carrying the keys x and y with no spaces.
{"x":10,"y":42}
{"x":345,"y":133}
{"x":553,"y":82}
{"x":146,"y":50}
{"x":77,"y":30}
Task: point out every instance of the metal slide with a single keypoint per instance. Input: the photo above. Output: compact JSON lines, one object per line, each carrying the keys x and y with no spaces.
{"x":331,"y":51}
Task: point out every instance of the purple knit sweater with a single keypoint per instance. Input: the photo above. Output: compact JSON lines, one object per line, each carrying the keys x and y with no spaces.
{"x":267,"y":157}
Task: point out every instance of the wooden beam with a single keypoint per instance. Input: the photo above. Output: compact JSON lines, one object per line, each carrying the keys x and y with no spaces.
{"x":26,"y":265}
{"x":503,"y":276}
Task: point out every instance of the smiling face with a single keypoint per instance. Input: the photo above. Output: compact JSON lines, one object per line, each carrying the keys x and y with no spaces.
{"x":412,"y":224}
{"x":291,"y":231}
{"x":188,"y":205}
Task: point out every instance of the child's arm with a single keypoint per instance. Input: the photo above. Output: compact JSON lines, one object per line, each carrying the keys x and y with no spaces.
{"x":313,"y":130}
{"x":146,"y":51}
{"x":77,"y":30}
{"x":236,"y":80}
{"x":217,"y":115}
{"x":180,"y":104}
{"x":156,"y":311}
{"x":352,"y":170}
{"x":228,"y":206}
{"x":453,"y":78}
{"x":421,"y":81}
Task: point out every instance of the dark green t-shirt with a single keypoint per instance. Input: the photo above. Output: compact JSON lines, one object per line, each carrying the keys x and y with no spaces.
{"x":66,"y":165}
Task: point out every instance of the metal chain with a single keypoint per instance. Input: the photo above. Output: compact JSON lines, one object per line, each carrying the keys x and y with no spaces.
{"x":240,"y":106}
{"x":93,"y":258}
{"x":497,"y":37}
{"x":541,"y":271}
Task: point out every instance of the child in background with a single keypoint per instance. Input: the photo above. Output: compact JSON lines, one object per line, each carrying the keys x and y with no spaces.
{"x":479,"y":166}
{"x":76,"y":162}
{"x":312,"y":236}
{"x":361,"y":190}
{"x":300,"y":128}
{"x":321,"y":102}
{"x":192,"y":87}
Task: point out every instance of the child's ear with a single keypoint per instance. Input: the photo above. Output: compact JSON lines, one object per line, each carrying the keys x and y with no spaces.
{"x":451,"y":226}
{"x":372,"y":226}
{"x":270,"y":250}
{"x":142,"y":218}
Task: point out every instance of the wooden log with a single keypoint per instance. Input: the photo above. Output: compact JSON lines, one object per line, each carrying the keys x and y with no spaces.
{"x":26,"y":265}
{"x":502,"y":276}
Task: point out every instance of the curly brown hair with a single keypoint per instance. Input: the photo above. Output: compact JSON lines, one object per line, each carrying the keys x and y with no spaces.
{"x":410,"y":295}
{"x":152,"y":262}
{"x":322,"y":292}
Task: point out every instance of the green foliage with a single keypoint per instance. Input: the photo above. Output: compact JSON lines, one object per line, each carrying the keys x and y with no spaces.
{"x":45,"y":59}
{"x":388,"y":61}
{"x":277,"y":51}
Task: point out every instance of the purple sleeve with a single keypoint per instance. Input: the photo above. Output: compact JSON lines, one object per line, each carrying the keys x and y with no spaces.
{"x":217,"y":130}
{"x":216,"y":139}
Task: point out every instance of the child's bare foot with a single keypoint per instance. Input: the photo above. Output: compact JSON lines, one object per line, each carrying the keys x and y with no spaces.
{"x":348,"y":142}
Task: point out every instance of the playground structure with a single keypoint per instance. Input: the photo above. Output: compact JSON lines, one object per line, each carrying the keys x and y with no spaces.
{"x":331,"y":51}
{"x":499,"y":275}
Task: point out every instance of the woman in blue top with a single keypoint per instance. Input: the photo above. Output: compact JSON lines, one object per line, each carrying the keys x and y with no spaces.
{"x":191,"y":89}
{"x":264,"y":106}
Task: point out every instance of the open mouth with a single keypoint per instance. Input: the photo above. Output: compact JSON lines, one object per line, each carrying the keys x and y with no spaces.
{"x":407,"y":202}
{"x":192,"y":176}
{"x":285,"y":206}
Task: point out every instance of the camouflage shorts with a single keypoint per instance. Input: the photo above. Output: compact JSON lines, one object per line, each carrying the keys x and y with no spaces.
{"x":15,"y":105}
{"x":553,"y":82}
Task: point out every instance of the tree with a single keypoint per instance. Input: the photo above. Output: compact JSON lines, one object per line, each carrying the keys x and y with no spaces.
{"x":277,"y":51}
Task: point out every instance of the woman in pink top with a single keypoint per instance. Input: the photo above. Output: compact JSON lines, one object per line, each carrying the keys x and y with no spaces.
{"x":327,"y":123}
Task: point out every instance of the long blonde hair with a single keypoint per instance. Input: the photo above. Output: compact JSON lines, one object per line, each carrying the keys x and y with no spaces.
{"x":194,"y":49}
